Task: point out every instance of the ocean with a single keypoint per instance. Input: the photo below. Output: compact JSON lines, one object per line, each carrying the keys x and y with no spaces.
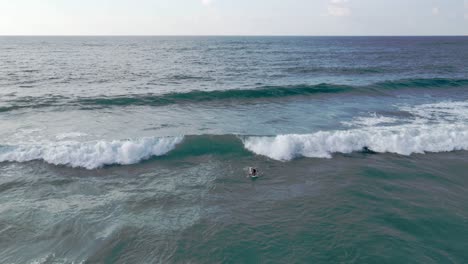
{"x":136,"y":149}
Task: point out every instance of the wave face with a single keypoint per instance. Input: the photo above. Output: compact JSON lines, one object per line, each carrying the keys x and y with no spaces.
{"x":193,"y":97}
{"x":422,"y":83}
{"x":403,"y":140}
{"x":263,"y":92}
{"x":90,"y":155}
{"x":208,"y":96}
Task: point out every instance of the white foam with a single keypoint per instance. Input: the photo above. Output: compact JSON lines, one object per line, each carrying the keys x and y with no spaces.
{"x":439,"y":112}
{"x":90,"y":155}
{"x":70,"y":135}
{"x":372,"y":120}
{"x":403,"y":139}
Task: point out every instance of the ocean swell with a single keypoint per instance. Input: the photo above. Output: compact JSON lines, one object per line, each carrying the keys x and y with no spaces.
{"x":217,"y":95}
{"x":264,"y":92}
{"x":237,"y":95}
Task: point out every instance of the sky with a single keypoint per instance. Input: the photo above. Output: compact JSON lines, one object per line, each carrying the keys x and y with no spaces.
{"x":234,"y":17}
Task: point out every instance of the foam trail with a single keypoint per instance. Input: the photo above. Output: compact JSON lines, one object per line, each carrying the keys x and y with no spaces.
{"x":404,"y":140}
{"x":373,"y":120}
{"x":90,"y":155}
{"x":70,"y":135}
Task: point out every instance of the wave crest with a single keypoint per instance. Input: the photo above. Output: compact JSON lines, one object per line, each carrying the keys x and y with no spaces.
{"x":403,"y":140}
{"x":90,"y":155}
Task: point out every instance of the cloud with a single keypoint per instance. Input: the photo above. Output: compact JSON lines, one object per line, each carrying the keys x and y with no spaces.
{"x":207,"y":2}
{"x":340,"y":1}
{"x":435,"y":11}
{"x":338,"y":8}
{"x":466,"y":11}
{"x":338,"y":11}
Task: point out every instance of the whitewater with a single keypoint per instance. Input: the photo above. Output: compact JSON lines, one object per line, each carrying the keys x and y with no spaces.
{"x":427,"y":131}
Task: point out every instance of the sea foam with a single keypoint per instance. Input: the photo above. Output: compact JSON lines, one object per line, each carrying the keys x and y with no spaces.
{"x":403,"y":140}
{"x":90,"y":155}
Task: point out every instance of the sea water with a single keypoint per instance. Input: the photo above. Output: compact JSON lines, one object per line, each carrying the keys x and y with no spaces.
{"x":135,"y":149}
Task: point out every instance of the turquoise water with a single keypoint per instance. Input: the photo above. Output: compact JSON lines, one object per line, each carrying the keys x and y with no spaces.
{"x":136,"y":149}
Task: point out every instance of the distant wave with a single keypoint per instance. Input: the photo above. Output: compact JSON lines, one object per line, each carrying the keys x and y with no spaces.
{"x":195,"y":97}
{"x":265,"y":92}
{"x":218,"y":95}
{"x":336,"y":70}
{"x":422,"y":83}
{"x":401,"y":139}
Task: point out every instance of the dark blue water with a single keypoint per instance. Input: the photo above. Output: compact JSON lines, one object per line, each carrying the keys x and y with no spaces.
{"x":135,"y":149}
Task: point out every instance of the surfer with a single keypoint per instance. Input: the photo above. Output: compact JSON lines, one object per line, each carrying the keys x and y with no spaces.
{"x":253,"y":172}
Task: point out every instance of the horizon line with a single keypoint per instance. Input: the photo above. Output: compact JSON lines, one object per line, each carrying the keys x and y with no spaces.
{"x":227,"y":35}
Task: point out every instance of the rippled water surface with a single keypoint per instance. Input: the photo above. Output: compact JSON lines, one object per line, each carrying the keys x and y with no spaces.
{"x":135,"y":149}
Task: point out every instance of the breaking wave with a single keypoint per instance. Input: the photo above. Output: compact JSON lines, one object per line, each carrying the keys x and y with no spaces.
{"x":90,"y":155}
{"x":403,"y":140}
{"x":436,"y":127}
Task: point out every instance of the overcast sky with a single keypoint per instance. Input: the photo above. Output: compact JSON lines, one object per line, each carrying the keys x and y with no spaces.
{"x":233,"y":17}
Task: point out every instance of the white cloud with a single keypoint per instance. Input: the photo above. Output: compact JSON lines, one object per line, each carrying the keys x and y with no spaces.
{"x":340,"y":1}
{"x":466,"y":7}
{"x":339,"y":8}
{"x":207,"y":2}
{"x":334,"y":10}
{"x":435,"y":11}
